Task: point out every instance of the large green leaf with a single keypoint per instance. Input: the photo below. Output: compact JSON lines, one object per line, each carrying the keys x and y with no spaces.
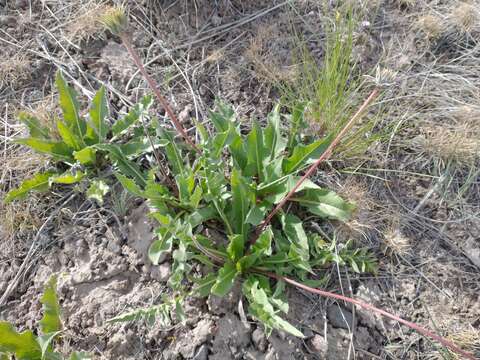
{"x":58,"y":150}
{"x":70,"y":108}
{"x":126,"y":166}
{"x":86,"y":156}
{"x":68,"y":177}
{"x":299,"y":252}
{"x":40,"y":182}
{"x":50,"y":321}
{"x":274,"y":142}
{"x":98,"y":113}
{"x":241,"y":199}
{"x":46,"y":344}
{"x":159,"y":247}
{"x":68,"y":136}
{"x":23,"y":345}
{"x":256,"y":152}
{"x":97,"y":190}
{"x":305,"y":154}
{"x":325,"y":203}
{"x":129,"y":185}
{"x":223,"y":117}
{"x":140,"y":109}
{"x":264,"y":307}
{"x":235,"y":247}
{"x":225,"y":279}
{"x":36,"y":129}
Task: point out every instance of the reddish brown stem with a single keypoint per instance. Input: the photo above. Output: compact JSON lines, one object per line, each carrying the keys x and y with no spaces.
{"x":325,"y":155}
{"x":154,"y":86}
{"x":370,"y":307}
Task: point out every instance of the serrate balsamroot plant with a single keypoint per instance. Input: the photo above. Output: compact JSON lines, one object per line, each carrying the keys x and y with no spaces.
{"x":222,"y":193}
{"x":84,"y":149}
{"x":26,"y":345}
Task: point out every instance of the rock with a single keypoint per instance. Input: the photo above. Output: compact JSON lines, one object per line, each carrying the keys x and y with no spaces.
{"x":161,"y":272}
{"x":259,"y":339}
{"x":339,"y":317}
{"x":319,"y":345}
{"x":186,"y":346}
{"x":202,"y":353}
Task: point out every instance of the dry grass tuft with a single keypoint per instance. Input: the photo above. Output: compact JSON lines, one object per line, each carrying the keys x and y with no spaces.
{"x":394,"y":242}
{"x":263,"y":58}
{"x":465,"y":17}
{"x":431,"y":26}
{"x":14,"y":70}
{"x":461,"y":144}
{"x":87,"y":23}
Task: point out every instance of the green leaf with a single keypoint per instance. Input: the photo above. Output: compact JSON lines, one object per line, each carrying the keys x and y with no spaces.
{"x":59,"y":150}
{"x":179,"y":312}
{"x":35,"y":129}
{"x":23,"y":345}
{"x":263,"y":245}
{"x":256,"y":215}
{"x":86,"y":156}
{"x":325,"y":203}
{"x":46,"y":345}
{"x":223,"y":117}
{"x":299,"y":248}
{"x":97,"y":190}
{"x":68,"y":136}
{"x":305,"y":154}
{"x":274,"y":142}
{"x":263,"y":307}
{"x":40,"y":182}
{"x":159,"y":247}
{"x":69,"y":105}
{"x":50,"y":321}
{"x":132,"y":117}
{"x":241,"y":199}
{"x":173,"y":153}
{"x":67,"y":177}
{"x":126,"y":166}
{"x":225,"y":279}
{"x":297,"y":123}
{"x":98,"y":113}
{"x":129,"y":185}
{"x":235,"y":247}
{"x":140,"y":146}
{"x":204,"y":285}
{"x":256,"y":152}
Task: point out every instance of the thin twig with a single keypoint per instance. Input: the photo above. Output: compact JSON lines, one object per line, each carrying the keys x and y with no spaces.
{"x":154,"y":86}
{"x":325,"y":155}
{"x":370,"y":307}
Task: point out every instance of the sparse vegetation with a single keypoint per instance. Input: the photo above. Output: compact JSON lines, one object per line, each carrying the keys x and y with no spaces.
{"x":358,"y":198}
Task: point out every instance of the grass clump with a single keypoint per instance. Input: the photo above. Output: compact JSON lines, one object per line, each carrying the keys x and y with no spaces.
{"x":26,"y":345}
{"x":328,"y":91}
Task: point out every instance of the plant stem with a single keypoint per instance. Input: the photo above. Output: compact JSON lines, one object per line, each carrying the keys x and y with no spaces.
{"x":325,"y":155}
{"x":154,"y":86}
{"x":416,"y":327}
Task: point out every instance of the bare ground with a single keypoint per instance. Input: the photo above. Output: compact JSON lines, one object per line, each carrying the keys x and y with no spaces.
{"x":417,"y":191}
